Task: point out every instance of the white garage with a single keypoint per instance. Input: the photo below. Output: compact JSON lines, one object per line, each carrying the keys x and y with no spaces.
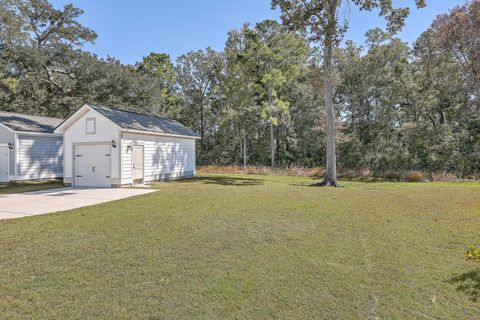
{"x":92,"y":165}
{"x":107,"y":147}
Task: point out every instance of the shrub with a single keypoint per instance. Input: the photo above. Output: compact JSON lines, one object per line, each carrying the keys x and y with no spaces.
{"x":353,"y":174}
{"x":365,"y":173}
{"x":348,"y":174}
{"x":316,"y":172}
{"x":444,"y":176}
{"x":218,"y":169}
{"x":392,"y":175}
{"x":296,"y":171}
{"x":415,"y":176}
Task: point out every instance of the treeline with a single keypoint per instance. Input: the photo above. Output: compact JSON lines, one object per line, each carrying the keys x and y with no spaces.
{"x":399,"y":106}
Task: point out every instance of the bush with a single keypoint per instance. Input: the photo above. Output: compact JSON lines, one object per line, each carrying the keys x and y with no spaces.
{"x":319,"y":172}
{"x":356,"y":174}
{"x":365,"y":173}
{"x":295,"y":171}
{"x":444,"y":176}
{"x":415,"y":176}
{"x":316,"y":172}
{"x":348,"y":174}
{"x":392,"y":175}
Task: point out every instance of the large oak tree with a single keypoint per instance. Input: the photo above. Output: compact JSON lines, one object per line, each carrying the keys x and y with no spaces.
{"x":320,"y":20}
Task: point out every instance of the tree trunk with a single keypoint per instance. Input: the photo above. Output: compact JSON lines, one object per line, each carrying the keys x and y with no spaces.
{"x":278,"y":146}
{"x":272,"y":145}
{"x":201,"y":134}
{"x":272,"y":137}
{"x":331,"y":170}
{"x":244,"y":148}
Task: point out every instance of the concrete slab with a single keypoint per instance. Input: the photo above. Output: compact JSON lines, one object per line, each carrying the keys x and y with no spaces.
{"x":54,"y":200}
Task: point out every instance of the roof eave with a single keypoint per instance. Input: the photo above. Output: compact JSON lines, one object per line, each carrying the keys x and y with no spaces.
{"x":7,"y":127}
{"x":161,"y":134}
{"x":27,"y":132}
{"x":33,"y":133}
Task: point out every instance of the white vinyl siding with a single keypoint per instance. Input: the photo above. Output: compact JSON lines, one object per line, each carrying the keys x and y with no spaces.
{"x":165,"y":157}
{"x":4,"y":164}
{"x":6,"y":136}
{"x":40,"y":157}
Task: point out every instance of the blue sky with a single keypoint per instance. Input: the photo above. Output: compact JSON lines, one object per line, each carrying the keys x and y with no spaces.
{"x":129,"y":30}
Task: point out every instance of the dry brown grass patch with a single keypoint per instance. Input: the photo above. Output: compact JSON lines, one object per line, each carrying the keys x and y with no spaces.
{"x":415,"y":176}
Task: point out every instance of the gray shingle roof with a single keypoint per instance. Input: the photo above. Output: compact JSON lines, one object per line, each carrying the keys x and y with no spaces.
{"x":28,"y":123}
{"x":142,"y":122}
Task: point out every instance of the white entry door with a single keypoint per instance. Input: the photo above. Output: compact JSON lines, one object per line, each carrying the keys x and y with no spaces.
{"x":138,"y":164}
{"x":92,"y":166}
{"x":4,"y":163}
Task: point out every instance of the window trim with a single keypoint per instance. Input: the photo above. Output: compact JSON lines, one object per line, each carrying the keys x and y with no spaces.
{"x":94,"y":125}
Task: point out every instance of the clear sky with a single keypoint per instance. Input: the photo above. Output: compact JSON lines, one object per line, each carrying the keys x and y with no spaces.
{"x":129,"y":30}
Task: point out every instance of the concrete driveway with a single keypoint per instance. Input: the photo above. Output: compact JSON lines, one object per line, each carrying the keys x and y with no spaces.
{"x":53,"y":200}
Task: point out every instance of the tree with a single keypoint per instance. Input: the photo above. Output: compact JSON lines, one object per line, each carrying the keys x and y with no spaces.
{"x":320,"y":20}
{"x":52,"y":33}
{"x":198,"y":76}
{"x":446,"y":66}
{"x":39,"y":44}
{"x":238,"y":88}
{"x":261,"y":62}
{"x":158,"y":67}
{"x":277,"y":56}
{"x":44,"y":71}
{"x":457,"y":32}
{"x":375,"y":95}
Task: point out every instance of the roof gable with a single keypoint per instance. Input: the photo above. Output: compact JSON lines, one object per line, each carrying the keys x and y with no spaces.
{"x":28,"y":123}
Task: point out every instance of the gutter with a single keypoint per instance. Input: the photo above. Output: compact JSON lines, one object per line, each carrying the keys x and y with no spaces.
{"x":161,"y":134}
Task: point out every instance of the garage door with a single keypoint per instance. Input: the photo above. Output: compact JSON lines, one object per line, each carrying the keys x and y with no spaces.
{"x":4,"y":163}
{"x":92,"y":166}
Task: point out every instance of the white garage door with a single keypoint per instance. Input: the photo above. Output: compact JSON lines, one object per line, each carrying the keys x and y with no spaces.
{"x":4,"y":163}
{"x":92,"y":166}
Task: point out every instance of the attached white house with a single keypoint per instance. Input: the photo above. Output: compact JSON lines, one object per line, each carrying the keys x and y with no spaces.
{"x":29,"y":148}
{"x":107,"y":147}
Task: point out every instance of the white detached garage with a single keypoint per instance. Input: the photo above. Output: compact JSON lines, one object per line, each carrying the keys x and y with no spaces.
{"x":105,"y":147}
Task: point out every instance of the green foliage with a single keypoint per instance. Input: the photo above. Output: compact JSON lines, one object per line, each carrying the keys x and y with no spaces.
{"x":262,"y":62}
{"x":159,"y":70}
{"x":198,"y":78}
{"x":398,"y":107}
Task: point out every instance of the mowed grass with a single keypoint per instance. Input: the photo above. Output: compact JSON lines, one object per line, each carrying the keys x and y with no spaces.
{"x":249,"y":247}
{"x":27,"y":186}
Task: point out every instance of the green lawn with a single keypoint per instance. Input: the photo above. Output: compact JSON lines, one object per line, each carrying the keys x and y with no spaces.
{"x":249,"y":247}
{"x":29,"y":186}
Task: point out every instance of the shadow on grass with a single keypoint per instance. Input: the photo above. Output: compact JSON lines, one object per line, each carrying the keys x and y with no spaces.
{"x":27,"y":186}
{"x":468,"y":282}
{"x":223,"y":181}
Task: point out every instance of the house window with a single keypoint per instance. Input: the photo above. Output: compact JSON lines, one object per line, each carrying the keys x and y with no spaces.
{"x":90,"y":125}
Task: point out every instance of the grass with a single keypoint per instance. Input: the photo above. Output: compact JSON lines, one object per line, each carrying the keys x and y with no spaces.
{"x":28,"y":186}
{"x":244,"y":247}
